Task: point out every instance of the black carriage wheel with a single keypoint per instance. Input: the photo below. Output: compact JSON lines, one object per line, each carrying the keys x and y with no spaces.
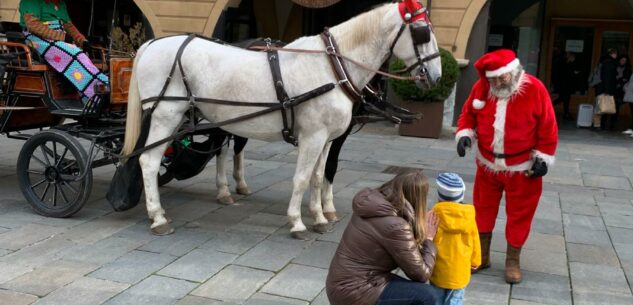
{"x":49,"y":169}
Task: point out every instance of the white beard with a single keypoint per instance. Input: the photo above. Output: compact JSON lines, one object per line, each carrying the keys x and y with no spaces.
{"x":507,"y":91}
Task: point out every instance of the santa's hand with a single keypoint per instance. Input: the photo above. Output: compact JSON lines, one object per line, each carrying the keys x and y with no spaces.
{"x":539,"y":168}
{"x":462,"y":144}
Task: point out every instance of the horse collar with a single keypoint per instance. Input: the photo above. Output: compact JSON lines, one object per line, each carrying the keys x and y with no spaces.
{"x":331,"y":48}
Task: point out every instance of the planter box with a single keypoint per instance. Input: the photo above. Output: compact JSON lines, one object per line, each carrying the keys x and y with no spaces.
{"x":430,"y":126}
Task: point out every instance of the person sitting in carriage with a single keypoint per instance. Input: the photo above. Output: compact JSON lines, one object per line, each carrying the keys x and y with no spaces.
{"x":55,"y":38}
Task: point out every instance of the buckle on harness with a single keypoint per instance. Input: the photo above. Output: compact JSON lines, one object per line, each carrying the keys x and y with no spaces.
{"x":287,"y":104}
{"x":289,"y":137}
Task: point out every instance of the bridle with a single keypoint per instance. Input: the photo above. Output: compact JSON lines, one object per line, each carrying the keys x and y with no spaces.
{"x":420,"y":34}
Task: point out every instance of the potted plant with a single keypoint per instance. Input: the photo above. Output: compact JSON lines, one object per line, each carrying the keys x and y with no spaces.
{"x":429,"y":102}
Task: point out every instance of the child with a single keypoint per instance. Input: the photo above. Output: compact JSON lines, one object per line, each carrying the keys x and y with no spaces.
{"x":457,"y":241}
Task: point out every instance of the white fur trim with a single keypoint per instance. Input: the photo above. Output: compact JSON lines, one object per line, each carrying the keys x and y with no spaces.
{"x":505,"y":69}
{"x":549,"y":159}
{"x":478,"y":104}
{"x":521,"y":167}
{"x":465,"y":133}
{"x":499,"y":126}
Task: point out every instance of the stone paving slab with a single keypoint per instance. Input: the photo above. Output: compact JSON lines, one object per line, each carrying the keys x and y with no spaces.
{"x":592,"y":278}
{"x":133,"y":267}
{"x":267,"y":299}
{"x":83,"y":292}
{"x":46,"y":279}
{"x":193,"y":300}
{"x":543,"y":288}
{"x":8,"y":297}
{"x":297,"y":281}
{"x":607,"y":182}
{"x":592,"y":255}
{"x":197,"y":265}
{"x":271,"y":255}
{"x":234,"y":284}
{"x":154,"y":290}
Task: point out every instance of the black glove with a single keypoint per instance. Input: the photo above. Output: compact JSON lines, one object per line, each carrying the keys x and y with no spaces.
{"x":462,"y":144}
{"x":86,"y":45}
{"x":539,"y":168}
{"x":69,"y":39}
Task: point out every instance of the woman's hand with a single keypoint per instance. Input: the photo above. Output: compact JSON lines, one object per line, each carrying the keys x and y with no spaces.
{"x":431,"y":224}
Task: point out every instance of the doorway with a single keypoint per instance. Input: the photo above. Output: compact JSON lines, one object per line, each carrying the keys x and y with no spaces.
{"x":576,"y":47}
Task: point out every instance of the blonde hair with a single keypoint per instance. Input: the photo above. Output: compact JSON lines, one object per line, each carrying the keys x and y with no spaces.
{"x":410,"y":187}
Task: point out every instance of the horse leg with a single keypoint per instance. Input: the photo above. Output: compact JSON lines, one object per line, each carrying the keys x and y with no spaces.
{"x":310,"y":149}
{"x":161,"y":127}
{"x":330,"y":171}
{"x":321,"y":224}
{"x":224,"y":194}
{"x":238,"y":165}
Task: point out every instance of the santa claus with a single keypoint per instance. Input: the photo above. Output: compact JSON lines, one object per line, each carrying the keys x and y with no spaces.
{"x":510,"y":116}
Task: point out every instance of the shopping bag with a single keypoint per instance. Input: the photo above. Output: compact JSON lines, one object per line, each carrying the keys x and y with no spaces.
{"x":605,"y":104}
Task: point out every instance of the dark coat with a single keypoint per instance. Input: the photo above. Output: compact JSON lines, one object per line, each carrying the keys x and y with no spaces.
{"x":377,"y":240}
{"x":607,"y":76}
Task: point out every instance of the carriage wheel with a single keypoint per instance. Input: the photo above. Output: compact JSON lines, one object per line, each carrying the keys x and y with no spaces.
{"x":49,"y":167}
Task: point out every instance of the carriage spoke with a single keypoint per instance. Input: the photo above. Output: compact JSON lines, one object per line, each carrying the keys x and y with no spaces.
{"x":55,"y":194}
{"x":61,"y":190}
{"x":43,"y":149}
{"x":38,"y":183}
{"x":45,"y":191}
{"x":38,"y":160}
{"x":30,"y":171}
{"x":62,"y":157}
{"x":54,"y":152}
{"x":72,"y":188}
{"x":69,"y":165}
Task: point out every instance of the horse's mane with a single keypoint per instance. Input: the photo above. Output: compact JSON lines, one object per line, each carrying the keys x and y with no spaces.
{"x":360,"y":29}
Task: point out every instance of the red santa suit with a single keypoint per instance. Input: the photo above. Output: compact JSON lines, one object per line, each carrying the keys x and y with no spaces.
{"x":510,"y":133}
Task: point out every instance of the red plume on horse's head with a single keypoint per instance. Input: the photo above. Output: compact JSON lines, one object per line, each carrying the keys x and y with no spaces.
{"x":414,"y":8}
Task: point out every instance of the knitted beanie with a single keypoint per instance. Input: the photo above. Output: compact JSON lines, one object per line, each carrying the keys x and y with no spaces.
{"x":450,"y":187}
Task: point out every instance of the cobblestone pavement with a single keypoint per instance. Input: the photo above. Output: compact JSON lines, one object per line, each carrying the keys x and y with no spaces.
{"x":580,"y":250}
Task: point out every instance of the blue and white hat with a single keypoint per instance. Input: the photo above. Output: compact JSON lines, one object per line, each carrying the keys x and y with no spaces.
{"x":450,"y":187}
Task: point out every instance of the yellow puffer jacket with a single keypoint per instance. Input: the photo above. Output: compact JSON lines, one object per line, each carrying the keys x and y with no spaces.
{"x":458,"y":247}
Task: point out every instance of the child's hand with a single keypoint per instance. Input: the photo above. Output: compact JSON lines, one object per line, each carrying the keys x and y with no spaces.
{"x":431,"y":224}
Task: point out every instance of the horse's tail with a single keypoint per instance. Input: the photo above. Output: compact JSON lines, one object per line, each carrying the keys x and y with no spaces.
{"x":134,"y":111}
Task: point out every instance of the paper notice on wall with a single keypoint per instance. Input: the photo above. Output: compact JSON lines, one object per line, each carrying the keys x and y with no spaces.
{"x":575,"y":46}
{"x":495,"y":40}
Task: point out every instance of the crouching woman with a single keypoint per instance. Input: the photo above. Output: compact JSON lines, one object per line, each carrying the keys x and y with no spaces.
{"x":389,"y":229}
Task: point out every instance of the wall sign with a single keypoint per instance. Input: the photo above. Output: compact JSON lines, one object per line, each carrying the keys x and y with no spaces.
{"x":575,"y":46}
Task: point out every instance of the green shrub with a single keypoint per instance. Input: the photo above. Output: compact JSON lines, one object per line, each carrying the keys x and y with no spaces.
{"x":407,"y":90}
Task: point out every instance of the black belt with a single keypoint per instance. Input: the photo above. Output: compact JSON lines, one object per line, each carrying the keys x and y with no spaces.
{"x":505,"y":156}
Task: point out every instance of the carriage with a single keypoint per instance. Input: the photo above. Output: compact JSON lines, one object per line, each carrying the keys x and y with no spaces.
{"x":39,"y":106}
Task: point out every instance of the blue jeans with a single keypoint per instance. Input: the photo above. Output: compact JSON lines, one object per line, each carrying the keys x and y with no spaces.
{"x":400,"y":291}
{"x":448,"y":296}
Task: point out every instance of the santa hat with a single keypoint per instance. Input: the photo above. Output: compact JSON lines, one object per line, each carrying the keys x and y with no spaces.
{"x":450,"y":187}
{"x":496,"y":63}
{"x":493,"y":64}
{"x":414,"y":8}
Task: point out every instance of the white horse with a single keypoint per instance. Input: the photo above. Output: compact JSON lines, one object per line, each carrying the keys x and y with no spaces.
{"x":228,"y":73}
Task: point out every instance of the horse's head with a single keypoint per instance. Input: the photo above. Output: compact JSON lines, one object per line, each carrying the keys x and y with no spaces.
{"x":416,"y":45}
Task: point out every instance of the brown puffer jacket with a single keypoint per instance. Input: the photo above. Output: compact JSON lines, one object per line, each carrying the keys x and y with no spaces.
{"x":376,"y":241}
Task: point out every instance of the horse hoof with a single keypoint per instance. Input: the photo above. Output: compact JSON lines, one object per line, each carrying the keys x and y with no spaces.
{"x":243,"y":190}
{"x":300,"y":235}
{"x":164,"y":229}
{"x":226,"y":200}
{"x":331,"y":217}
{"x":323,"y":227}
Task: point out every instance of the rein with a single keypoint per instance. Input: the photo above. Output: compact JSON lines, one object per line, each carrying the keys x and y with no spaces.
{"x":339,"y":55}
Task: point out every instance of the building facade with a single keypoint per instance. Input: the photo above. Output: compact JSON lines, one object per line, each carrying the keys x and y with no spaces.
{"x":543,"y":32}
